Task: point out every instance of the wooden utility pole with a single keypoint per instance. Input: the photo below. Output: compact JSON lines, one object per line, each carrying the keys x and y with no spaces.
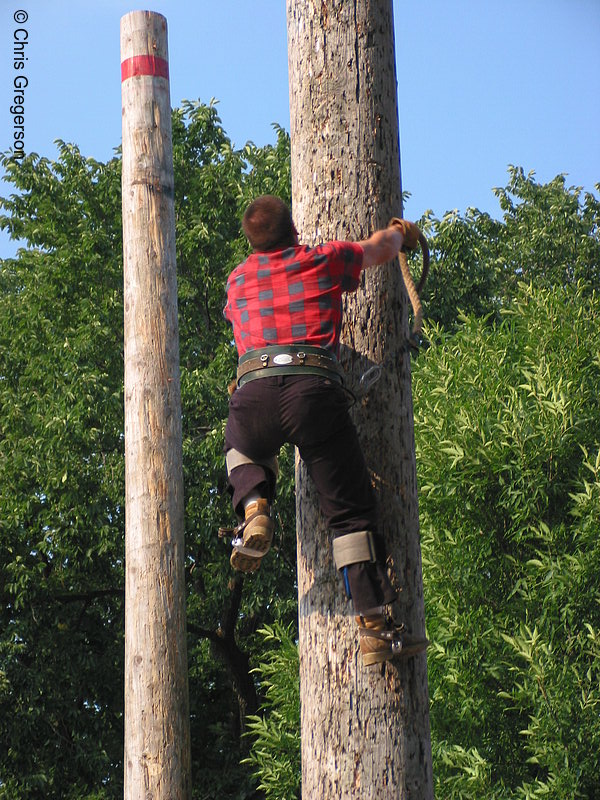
{"x":157,"y":739}
{"x":365,"y":732}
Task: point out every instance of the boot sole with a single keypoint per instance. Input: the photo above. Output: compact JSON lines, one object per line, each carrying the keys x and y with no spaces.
{"x":259,"y":537}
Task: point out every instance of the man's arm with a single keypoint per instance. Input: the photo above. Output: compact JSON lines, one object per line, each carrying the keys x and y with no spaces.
{"x":385,"y":245}
{"x":382,"y":246}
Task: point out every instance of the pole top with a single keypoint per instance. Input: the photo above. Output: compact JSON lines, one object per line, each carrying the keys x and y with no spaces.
{"x":143,"y":13}
{"x":144,"y":48}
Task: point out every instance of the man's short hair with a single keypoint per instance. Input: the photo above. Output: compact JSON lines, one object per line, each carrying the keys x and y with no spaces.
{"x":268,"y":224}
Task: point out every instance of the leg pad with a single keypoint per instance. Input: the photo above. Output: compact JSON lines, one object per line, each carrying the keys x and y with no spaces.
{"x":352,"y":548}
{"x":235,"y":459}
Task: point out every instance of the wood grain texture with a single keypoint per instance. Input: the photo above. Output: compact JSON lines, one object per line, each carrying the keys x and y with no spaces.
{"x":157,"y":743}
{"x":365,"y":732}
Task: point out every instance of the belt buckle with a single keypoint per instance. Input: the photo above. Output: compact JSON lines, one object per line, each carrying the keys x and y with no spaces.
{"x":283,"y":359}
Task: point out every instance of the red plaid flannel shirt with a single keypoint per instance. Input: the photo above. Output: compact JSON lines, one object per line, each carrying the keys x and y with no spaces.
{"x":292,"y":296}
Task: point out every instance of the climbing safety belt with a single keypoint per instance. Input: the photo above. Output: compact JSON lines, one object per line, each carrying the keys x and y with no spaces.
{"x":288,"y":360}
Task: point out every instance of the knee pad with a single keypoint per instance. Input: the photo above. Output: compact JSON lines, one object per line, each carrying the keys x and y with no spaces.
{"x":235,"y":459}
{"x":353,"y":548}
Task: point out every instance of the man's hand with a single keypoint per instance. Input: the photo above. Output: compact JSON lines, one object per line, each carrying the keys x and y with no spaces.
{"x":409,"y":230}
{"x":385,"y":244}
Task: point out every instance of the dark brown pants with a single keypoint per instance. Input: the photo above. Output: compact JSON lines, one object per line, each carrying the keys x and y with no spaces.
{"x":310,"y":412}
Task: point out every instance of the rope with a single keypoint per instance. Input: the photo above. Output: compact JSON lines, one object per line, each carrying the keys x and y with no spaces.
{"x":372,"y":375}
{"x":414,"y":291}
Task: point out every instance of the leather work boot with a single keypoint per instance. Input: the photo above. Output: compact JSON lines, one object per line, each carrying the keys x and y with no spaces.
{"x":257,"y":535}
{"x":381,"y":639}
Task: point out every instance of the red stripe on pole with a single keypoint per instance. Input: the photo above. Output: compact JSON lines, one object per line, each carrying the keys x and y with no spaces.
{"x":144,"y":65}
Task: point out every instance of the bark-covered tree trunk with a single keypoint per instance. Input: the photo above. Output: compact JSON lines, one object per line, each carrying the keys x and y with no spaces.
{"x":365,"y":732}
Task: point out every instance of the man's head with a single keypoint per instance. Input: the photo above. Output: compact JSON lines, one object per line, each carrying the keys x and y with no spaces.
{"x":268,"y":224}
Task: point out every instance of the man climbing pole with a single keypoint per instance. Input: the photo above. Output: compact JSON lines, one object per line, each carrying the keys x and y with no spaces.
{"x":284,"y":303}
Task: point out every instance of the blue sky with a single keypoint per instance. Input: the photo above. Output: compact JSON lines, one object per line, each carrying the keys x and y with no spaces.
{"x":482,"y":84}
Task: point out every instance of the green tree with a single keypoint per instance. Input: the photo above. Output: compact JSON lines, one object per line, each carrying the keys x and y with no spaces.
{"x":61,"y":476}
{"x":548,"y":236}
{"x":508,"y":447}
{"x":61,"y":467}
{"x":275,"y":752}
{"x":507,"y":432}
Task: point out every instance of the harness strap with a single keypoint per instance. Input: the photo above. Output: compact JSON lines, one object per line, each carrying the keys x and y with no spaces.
{"x":352,"y":548}
{"x":235,"y":459}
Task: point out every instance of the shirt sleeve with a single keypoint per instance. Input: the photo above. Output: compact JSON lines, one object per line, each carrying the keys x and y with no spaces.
{"x":345,"y":263}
